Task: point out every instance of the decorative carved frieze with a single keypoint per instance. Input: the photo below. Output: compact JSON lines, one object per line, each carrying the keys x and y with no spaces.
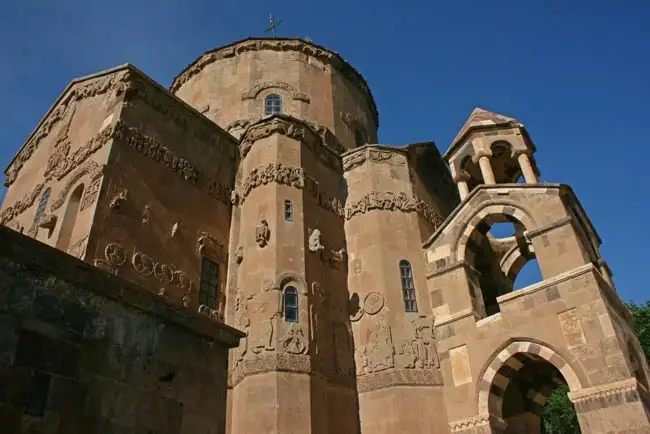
{"x":81,"y":91}
{"x":389,"y":201}
{"x":327,"y":57}
{"x":90,"y":194}
{"x":89,"y":168}
{"x":20,"y":206}
{"x":137,"y":87}
{"x":262,"y":233}
{"x":209,"y":312}
{"x":289,"y":176}
{"x":255,"y":90}
{"x":374,"y":155}
{"x":318,"y":138}
{"x":152,"y":148}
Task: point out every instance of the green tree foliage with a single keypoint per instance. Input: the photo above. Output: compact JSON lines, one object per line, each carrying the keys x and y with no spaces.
{"x":558,"y":415}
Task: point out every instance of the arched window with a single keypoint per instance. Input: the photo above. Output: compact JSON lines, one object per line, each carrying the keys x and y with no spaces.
{"x":408,"y":287}
{"x":288,"y":210}
{"x":209,"y":286}
{"x":272,"y":104}
{"x":359,"y":137}
{"x":40,"y":210}
{"x":69,"y":219}
{"x":290,"y":304}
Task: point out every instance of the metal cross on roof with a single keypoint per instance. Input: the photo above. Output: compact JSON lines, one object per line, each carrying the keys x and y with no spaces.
{"x":273,"y":24}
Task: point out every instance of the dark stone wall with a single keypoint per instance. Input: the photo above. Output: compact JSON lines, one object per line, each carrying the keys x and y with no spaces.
{"x":85,"y":352}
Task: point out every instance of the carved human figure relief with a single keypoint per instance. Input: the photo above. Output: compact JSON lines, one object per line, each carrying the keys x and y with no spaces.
{"x":379,"y":345}
{"x":242,"y":323}
{"x":420,"y":352}
{"x":262,"y":233}
{"x":146,"y":215}
{"x":264,"y":308}
{"x":294,"y":341}
{"x":315,"y":244}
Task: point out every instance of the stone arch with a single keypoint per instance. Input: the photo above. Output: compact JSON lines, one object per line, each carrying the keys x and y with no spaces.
{"x":255,"y":90}
{"x":492,"y":382}
{"x":291,"y":278}
{"x":491,"y":212}
{"x":91,"y":168}
{"x":514,"y":260}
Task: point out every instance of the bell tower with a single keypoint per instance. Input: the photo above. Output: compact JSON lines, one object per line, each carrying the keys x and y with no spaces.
{"x":503,"y":351}
{"x":491,"y":149}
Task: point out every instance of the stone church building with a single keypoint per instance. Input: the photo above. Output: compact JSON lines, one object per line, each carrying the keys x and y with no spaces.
{"x":362,"y":282}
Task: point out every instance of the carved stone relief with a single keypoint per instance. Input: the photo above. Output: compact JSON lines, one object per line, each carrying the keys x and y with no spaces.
{"x":48,"y":221}
{"x":315,"y":244}
{"x":152,"y":148}
{"x":146,"y":266}
{"x":175,"y":228}
{"x":421,"y":351}
{"x":255,"y":90}
{"x":291,"y":176}
{"x":20,"y":206}
{"x":389,"y":201}
{"x":78,"y":249}
{"x":242,"y":323}
{"x":264,"y":308}
{"x":208,"y":245}
{"x":90,"y":168}
{"x":146,"y":215}
{"x":355,"y":308}
{"x":322,"y":142}
{"x":294,"y":341}
{"x":90,"y":194}
{"x":378,"y":354}
{"x":209,"y":312}
{"x":118,"y":198}
{"x":373,"y":303}
{"x":239,"y":254}
{"x":62,"y":111}
{"x":374,"y":155}
{"x":262,"y":233}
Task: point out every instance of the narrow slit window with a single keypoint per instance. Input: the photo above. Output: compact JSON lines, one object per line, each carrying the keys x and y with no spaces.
{"x":272,"y":104}
{"x":359,"y":137}
{"x":209,"y":287}
{"x":408,"y":287}
{"x":40,"y":210}
{"x":288,"y":210}
{"x":290,"y":304}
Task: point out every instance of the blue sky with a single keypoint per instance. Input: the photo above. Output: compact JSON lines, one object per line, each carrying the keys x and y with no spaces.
{"x":575,"y":73}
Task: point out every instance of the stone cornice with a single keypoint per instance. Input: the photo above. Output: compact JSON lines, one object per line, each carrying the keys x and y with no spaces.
{"x":316,"y":137}
{"x":289,"y":176}
{"x":278,"y":44}
{"x":389,"y":201}
{"x":375,"y":153}
{"x":130,"y":83}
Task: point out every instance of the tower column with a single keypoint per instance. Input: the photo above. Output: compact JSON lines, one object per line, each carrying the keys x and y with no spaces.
{"x":527,"y":168}
{"x":486,"y":167}
{"x":461,"y":181}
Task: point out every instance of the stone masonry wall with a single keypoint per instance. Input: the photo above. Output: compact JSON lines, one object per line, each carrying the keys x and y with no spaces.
{"x":85,"y":352}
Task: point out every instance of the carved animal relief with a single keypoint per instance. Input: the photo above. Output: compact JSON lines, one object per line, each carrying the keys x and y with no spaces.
{"x":315,"y":244}
{"x":420,"y":352}
{"x":118,"y":199}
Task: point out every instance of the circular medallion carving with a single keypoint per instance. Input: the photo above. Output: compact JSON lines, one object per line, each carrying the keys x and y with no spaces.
{"x":163,"y":273}
{"x":373,"y":303}
{"x":115,"y":254}
{"x":143,"y":264}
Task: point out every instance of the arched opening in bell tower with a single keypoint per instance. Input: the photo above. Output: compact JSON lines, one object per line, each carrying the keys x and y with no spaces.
{"x":500,"y":259}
